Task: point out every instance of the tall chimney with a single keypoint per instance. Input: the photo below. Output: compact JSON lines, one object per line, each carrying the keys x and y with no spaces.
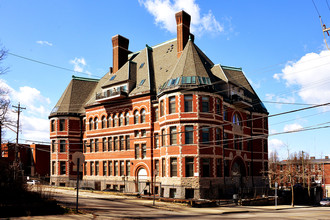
{"x":183,"y":30}
{"x":120,"y":52}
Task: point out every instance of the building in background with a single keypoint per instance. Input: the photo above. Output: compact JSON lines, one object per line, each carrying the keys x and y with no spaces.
{"x":306,"y":172}
{"x":33,"y":160}
{"x":163,"y":120}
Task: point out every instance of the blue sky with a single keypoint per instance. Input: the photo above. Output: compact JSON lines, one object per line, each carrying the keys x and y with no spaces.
{"x":279,"y":44}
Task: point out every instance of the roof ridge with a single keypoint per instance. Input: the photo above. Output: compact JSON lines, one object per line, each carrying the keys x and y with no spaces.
{"x":85,"y":79}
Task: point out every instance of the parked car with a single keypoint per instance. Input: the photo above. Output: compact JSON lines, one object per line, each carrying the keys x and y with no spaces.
{"x":33,"y":182}
{"x":325,"y":202}
{"x":85,"y":188}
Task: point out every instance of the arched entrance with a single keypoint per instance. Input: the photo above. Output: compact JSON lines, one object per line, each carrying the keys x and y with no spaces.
{"x":238,"y":171}
{"x":141,"y":179}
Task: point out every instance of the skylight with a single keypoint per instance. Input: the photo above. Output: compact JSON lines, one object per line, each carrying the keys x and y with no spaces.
{"x":113,"y":77}
{"x":142,"y":81}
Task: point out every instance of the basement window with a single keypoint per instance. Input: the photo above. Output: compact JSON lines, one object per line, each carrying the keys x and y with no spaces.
{"x":113,"y":77}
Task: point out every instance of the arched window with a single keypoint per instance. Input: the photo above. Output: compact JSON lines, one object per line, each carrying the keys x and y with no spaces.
{"x":104,"y":122}
{"x":109,"y":121}
{"x":96,"y":123}
{"x":136,"y":117}
{"x":127,"y":118}
{"x":237,"y":120}
{"x":143,"y":116}
{"x":91,"y":124}
{"x":115,"y":121}
{"x":121,"y":119}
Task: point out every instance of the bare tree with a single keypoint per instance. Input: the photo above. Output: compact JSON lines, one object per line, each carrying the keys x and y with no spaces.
{"x":4,"y":101}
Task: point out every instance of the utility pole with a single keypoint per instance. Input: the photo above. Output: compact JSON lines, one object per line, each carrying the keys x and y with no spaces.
{"x":17,"y":158}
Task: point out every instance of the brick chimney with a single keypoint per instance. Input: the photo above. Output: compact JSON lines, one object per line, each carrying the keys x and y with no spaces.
{"x":119,"y":52}
{"x":183,"y":30}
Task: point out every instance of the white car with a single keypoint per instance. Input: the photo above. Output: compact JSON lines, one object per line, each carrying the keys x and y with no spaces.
{"x":325,"y":202}
{"x":33,"y":182}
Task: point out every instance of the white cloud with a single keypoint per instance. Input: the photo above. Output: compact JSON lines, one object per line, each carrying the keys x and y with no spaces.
{"x":78,"y":64}
{"x":43,"y":42}
{"x":311,"y":74}
{"x":164,"y":11}
{"x":275,"y":144}
{"x":292,"y":127}
{"x":279,"y":99}
{"x":34,"y":119}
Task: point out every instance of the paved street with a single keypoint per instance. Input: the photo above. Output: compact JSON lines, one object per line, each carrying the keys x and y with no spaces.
{"x":110,"y":206}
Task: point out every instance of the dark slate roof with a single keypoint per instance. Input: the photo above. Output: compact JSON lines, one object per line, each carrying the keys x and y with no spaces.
{"x":75,"y":96}
{"x":160,"y":70}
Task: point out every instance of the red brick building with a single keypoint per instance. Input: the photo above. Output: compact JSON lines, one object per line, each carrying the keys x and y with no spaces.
{"x":311,"y":171}
{"x":166,"y":115}
{"x":33,"y":159}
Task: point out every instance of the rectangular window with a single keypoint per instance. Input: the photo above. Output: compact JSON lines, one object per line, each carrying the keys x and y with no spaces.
{"x":225,"y":114}
{"x":53,"y":146}
{"x":217,"y":136}
{"x":189,"y":134}
{"x":174,"y":167}
{"x":137,"y":153}
{"x":52,"y":127}
{"x":206,"y":167}
{"x":163,"y":167}
{"x":110,"y":167}
{"x":122,"y":168}
{"x":161,"y":108}
{"x":116,"y":168}
{"x":173,"y":135}
{"x":105,"y":168}
{"x":143,"y":133}
{"x":205,"y":135}
{"x":156,"y":114}
{"x":92,"y":168}
{"x":188,"y":103}
{"x":225,"y":140}
{"x":189,"y":166}
{"x":96,"y":145}
{"x":62,"y":124}
{"x":104,"y":144}
{"x":156,"y":140}
{"x":205,"y":104}
{"x":92,"y":145}
{"x":116,"y":143}
{"x":62,"y":167}
{"x":53,"y":167}
{"x":219,"y":168}
{"x":128,"y":168}
{"x":85,"y":146}
{"x":136,"y":133}
{"x":172,"y":106}
{"x":97,"y":168}
{"x":144,"y":151}
{"x":127,"y":143}
{"x":163,"y":137}
{"x":109,"y":143}
{"x":62,"y":145}
{"x":85,"y":168}
{"x":157,"y":167}
{"x":121,"y":144}
{"x":218,"y":106}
